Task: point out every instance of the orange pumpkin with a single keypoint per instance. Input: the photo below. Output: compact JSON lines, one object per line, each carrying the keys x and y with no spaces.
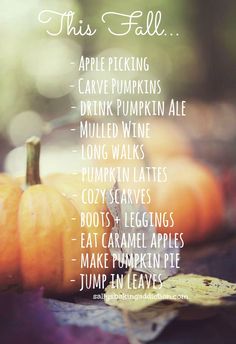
{"x":40,"y":232}
{"x":10,"y":195}
{"x":194,"y":196}
{"x":4,"y":178}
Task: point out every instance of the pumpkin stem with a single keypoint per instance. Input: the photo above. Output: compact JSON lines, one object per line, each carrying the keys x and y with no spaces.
{"x":33,"y":155}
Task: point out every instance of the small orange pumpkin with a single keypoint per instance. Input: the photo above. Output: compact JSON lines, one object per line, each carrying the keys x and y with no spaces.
{"x":194,"y":196}
{"x":40,"y":232}
{"x":10,"y":195}
{"x":4,"y":178}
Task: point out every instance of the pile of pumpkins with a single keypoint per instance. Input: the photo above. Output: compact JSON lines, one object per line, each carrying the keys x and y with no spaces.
{"x":39,"y":224}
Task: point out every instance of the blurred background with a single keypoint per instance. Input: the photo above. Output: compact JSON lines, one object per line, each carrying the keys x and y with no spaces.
{"x":199,"y":66}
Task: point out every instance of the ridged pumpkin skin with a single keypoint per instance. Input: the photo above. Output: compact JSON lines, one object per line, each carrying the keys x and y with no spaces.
{"x":36,"y":231}
{"x":71,"y":187}
{"x":193,"y":193}
{"x":10,"y":195}
{"x":4,"y":178}
{"x":40,"y":231}
{"x":46,"y":228}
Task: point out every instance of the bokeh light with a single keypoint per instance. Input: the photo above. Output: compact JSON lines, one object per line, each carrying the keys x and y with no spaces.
{"x":24,"y":125}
